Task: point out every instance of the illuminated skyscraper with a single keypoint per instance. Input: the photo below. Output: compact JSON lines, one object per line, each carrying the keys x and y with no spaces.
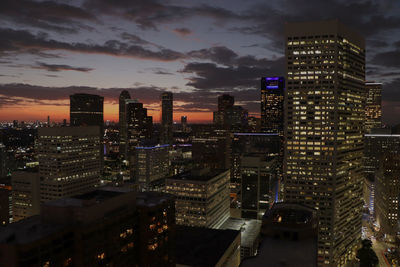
{"x":373,"y":107}
{"x":166,"y":117}
{"x":122,"y":123}
{"x":87,"y":110}
{"x":69,"y":161}
{"x":272,"y":95}
{"x":139,"y":126}
{"x":324,"y":126}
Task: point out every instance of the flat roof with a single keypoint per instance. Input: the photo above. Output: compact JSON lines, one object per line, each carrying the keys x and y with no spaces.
{"x":282,"y":252}
{"x":202,"y":247}
{"x":97,"y":196}
{"x":151,"y":198}
{"x":27,"y":231}
{"x":250,"y":229}
{"x":197,"y":176}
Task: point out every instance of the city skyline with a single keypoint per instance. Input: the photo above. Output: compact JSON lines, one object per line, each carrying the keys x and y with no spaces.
{"x":195,"y":50}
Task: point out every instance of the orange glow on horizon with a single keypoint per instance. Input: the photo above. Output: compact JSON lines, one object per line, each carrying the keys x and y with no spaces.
{"x":29,"y":112}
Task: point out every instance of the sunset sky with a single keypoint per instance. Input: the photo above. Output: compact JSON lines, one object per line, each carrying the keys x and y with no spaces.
{"x":196,"y":49}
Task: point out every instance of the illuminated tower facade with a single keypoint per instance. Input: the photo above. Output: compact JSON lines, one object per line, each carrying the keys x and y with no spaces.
{"x":166,"y":117}
{"x":373,"y":106}
{"x":87,"y":110}
{"x":69,"y":161}
{"x":324,"y":126}
{"x":122,"y":123}
{"x":272,"y":96}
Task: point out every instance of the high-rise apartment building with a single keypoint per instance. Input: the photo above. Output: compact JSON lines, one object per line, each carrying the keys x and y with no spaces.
{"x":123,"y":149}
{"x":324,"y":126}
{"x":69,"y":161}
{"x":166,"y":117}
{"x":272,"y":96}
{"x":202,"y":197}
{"x":373,"y":106}
{"x":87,"y":110}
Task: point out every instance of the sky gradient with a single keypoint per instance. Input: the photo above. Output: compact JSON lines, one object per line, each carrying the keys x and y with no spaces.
{"x":196,"y":49}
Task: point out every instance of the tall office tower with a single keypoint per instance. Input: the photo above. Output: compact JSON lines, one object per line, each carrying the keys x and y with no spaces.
{"x":373,"y":106}
{"x":166,"y":117}
{"x":3,"y":161}
{"x":225,"y":102}
{"x":388,"y":195}
{"x":324,"y":126}
{"x":151,"y":165}
{"x":381,"y":163}
{"x":184,"y":123}
{"x":139,"y":126}
{"x":123,"y":150}
{"x":87,"y":110}
{"x":202,"y":197}
{"x":69,"y":161}
{"x":272,"y":96}
{"x":25,"y":193}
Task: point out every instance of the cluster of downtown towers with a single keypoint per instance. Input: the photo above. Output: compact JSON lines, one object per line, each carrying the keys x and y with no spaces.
{"x":319,"y":112}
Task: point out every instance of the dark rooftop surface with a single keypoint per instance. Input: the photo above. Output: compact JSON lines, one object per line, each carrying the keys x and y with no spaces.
{"x":197,"y":175}
{"x":96,"y":196}
{"x":151,"y":198}
{"x":284,"y":253}
{"x":27,"y":231}
{"x":202,"y":247}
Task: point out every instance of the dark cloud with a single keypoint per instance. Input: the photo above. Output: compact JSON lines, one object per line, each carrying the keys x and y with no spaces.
{"x":22,"y":41}
{"x":56,"y":68}
{"x":237,"y":72}
{"x":148,"y":14}
{"x":161,"y":71}
{"x":48,"y":15}
{"x":387,"y":59}
{"x":183,"y":31}
{"x":209,"y":76}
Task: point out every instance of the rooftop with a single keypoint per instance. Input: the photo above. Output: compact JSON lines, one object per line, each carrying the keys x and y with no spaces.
{"x":202,"y":247}
{"x":202,"y":175}
{"x":151,"y":198}
{"x":27,"y":231}
{"x":283,"y":252}
{"x":250,"y":229}
{"x":93,"y":197}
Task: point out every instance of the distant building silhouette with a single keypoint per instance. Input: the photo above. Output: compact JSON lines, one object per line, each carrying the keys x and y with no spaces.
{"x":166,"y":117}
{"x":123,"y":149}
